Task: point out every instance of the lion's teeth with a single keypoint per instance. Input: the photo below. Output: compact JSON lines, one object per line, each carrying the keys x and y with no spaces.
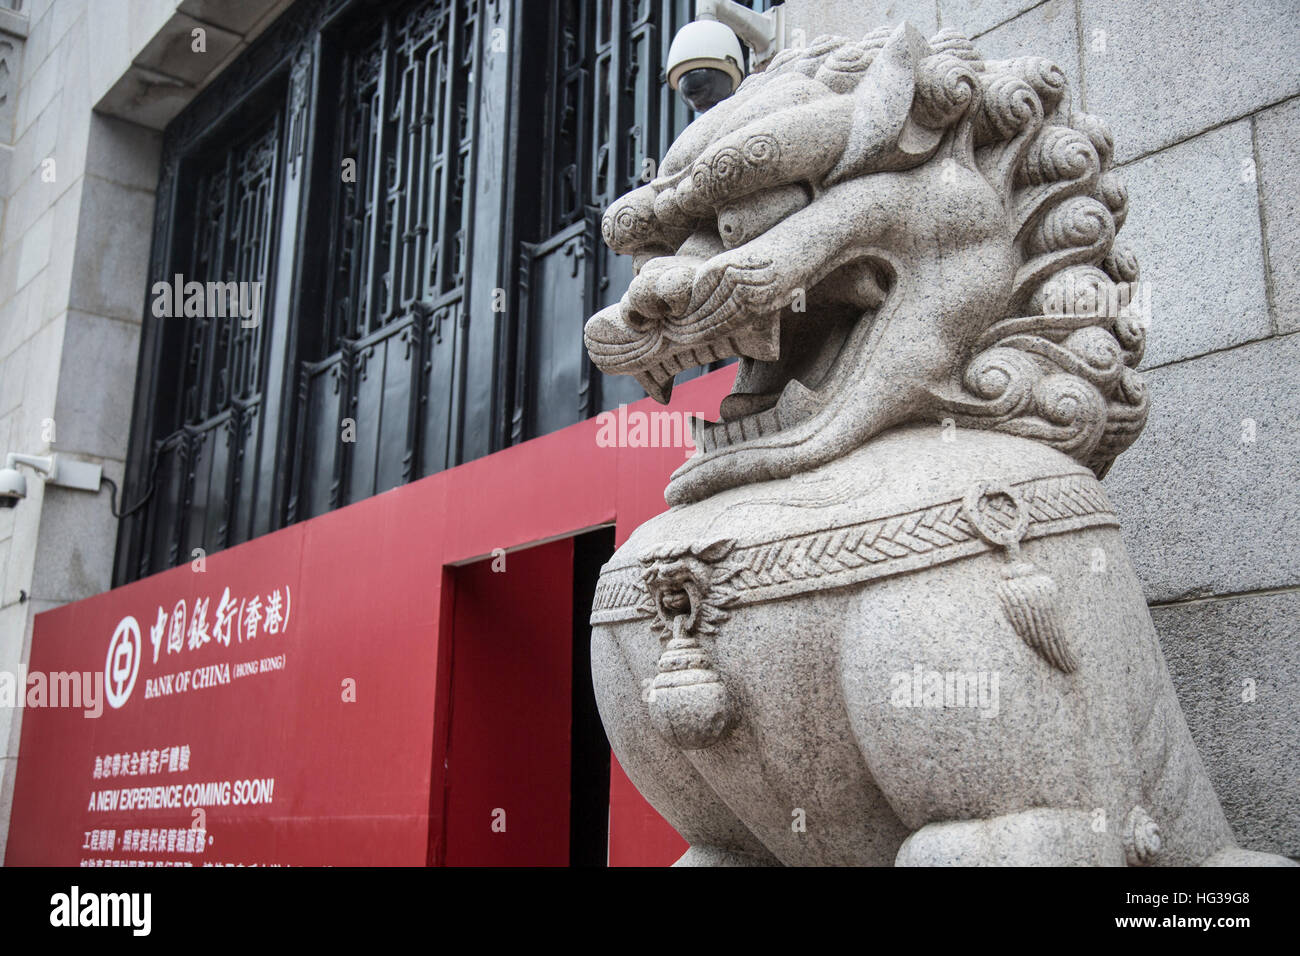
{"x":761,"y":344}
{"x":710,"y":436}
{"x":701,"y":433}
{"x":742,"y":404}
{"x":660,"y":389}
{"x":797,"y":402}
{"x":744,"y":417}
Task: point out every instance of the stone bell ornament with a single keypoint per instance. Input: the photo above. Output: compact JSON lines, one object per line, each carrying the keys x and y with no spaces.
{"x":686,"y":593}
{"x":912,"y":252}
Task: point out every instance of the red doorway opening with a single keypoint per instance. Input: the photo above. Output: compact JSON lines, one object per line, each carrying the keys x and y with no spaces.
{"x":527,"y":761}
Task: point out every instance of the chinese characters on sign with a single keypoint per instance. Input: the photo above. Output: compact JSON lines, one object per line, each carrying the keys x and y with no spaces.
{"x":238,"y":619}
{"x":142,"y":763}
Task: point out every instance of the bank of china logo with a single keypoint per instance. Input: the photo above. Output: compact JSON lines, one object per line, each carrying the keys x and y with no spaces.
{"x":123,"y":664}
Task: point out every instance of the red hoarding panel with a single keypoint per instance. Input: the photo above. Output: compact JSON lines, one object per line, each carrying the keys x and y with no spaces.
{"x":509,"y":747}
{"x":289,"y":690}
{"x":276,"y":707}
{"x":552,"y":486}
{"x":644,"y":471}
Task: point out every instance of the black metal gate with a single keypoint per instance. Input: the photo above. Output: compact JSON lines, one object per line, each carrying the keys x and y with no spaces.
{"x":416,"y":188}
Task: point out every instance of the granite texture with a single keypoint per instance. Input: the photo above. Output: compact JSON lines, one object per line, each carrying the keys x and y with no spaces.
{"x":889,"y":616}
{"x":1166,"y":71}
{"x":976,"y":17}
{"x":1044,"y":29}
{"x":1240,"y":656}
{"x":820,"y":17}
{"x":1209,"y":495}
{"x":91,"y":422}
{"x":1279,"y":178}
{"x":113,"y":241}
{"x":1191,"y":202}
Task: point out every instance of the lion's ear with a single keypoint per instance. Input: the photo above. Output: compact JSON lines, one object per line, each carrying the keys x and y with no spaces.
{"x":883,"y":101}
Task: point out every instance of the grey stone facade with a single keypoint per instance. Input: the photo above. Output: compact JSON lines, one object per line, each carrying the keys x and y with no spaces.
{"x":1204,"y":99}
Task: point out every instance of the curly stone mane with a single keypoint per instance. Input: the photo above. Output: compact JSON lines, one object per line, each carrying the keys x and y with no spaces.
{"x":1060,"y":367}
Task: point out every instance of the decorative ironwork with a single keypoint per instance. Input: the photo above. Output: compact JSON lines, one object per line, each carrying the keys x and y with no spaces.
{"x":608,"y":120}
{"x":485,"y":135}
{"x":400,"y":224}
{"x":399,"y":258}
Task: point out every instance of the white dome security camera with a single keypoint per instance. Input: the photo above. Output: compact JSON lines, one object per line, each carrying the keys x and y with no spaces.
{"x":54,"y":469}
{"x":705,"y":64}
{"x":13,"y":487}
{"x":706,"y":61}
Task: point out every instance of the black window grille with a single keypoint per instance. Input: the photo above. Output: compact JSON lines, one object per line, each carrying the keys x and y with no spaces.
{"x":415,"y":187}
{"x":375,"y":403}
{"x":234,"y":217}
{"x":399,"y":236}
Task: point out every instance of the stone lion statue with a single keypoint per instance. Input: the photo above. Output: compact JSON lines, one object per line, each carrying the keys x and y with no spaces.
{"x":889,"y":617}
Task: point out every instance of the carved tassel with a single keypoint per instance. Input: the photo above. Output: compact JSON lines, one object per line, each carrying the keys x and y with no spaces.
{"x":1027,"y":595}
{"x":1029,"y":600}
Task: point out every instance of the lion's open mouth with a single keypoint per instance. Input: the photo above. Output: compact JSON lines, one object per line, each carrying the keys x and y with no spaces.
{"x":770,"y":396}
{"x":791,"y":360}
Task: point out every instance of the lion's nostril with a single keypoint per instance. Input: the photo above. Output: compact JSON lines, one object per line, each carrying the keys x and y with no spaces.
{"x":638,"y":321}
{"x":674,"y":288}
{"x":644,"y":300}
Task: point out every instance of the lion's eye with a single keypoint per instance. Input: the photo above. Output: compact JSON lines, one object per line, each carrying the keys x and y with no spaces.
{"x":754,"y":215}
